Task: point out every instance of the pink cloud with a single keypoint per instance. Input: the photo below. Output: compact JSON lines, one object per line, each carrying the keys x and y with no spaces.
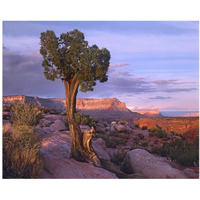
{"x":119,"y":64}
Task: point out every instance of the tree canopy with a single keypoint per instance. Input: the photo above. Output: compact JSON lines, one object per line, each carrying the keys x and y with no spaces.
{"x":70,"y":56}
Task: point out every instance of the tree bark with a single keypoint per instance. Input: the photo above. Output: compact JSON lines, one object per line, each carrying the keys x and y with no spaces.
{"x":78,"y":152}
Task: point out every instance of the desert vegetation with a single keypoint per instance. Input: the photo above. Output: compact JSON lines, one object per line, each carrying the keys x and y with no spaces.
{"x":21,"y":156}
{"x":181,"y":151}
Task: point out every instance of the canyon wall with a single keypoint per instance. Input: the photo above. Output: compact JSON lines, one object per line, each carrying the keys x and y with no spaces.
{"x":150,"y":113}
{"x":107,"y":109}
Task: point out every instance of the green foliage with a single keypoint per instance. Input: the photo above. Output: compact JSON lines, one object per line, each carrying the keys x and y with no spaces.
{"x":123,"y":122}
{"x":112,"y":141}
{"x":43,"y":110}
{"x":145,"y":144}
{"x":24,"y":114}
{"x":6,"y":108}
{"x":159,"y":133}
{"x":136,"y":125}
{"x":140,"y":136}
{"x":118,"y":157}
{"x":53,"y":112}
{"x":181,"y":151}
{"x":82,"y":119}
{"x":105,"y":124}
{"x":151,"y":134}
{"x":21,"y":156}
{"x":70,"y":56}
{"x":144,"y":128}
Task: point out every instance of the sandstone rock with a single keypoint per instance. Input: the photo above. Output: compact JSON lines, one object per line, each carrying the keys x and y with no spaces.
{"x":113,"y":123}
{"x":190,"y":173}
{"x":45,"y":123}
{"x":69,"y":168}
{"x":58,"y":125}
{"x":107,"y":129}
{"x":112,"y":151}
{"x":56,"y":148}
{"x":84,"y":128}
{"x":53,"y":117}
{"x":108,"y":108}
{"x":142,"y":162}
{"x":100,"y":128}
{"x":120,"y":127}
{"x":99,"y":146}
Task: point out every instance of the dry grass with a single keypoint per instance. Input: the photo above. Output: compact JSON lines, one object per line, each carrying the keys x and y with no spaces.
{"x":21,"y":157}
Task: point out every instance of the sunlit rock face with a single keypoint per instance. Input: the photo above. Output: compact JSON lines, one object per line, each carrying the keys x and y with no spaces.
{"x":108,"y":109}
{"x":150,"y":113}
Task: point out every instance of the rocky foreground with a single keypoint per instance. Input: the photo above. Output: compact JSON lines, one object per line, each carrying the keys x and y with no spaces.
{"x":138,"y":162}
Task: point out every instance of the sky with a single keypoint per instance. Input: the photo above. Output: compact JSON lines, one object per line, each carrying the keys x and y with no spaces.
{"x":154,"y":64}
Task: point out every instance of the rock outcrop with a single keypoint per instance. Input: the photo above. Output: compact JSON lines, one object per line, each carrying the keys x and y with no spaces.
{"x":108,"y":109}
{"x":149,"y":166}
{"x":56,"y":148}
{"x":149,"y":113}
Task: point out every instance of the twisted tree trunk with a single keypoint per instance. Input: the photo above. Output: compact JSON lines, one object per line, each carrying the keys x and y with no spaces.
{"x":78,"y":152}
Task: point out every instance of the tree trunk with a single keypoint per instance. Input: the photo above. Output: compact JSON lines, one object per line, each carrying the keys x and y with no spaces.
{"x":78,"y":152}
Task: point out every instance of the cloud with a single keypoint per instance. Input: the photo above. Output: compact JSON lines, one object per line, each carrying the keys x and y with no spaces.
{"x":117,"y":64}
{"x":21,"y":44}
{"x":171,"y":81}
{"x":23,"y":74}
{"x":171,"y":90}
{"x":160,"y":97}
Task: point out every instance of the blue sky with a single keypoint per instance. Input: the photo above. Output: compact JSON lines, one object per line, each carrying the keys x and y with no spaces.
{"x":153,"y":64}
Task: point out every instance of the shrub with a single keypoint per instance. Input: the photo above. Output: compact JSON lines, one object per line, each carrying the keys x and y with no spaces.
{"x":43,"y":110}
{"x":105,"y":124}
{"x":136,"y":139}
{"x":82,"y":119}
{"x":24,"y":114}
{"x":145,"y":144}
{"x":140,"y":136}
{"x":53,"y":112}
{"x":136,"y":125}
{"x":159,"y":133}
{"x":123,"y":122}
{"x":118,"y":157}
{"x":180,"y":151}
{"x":6,"y":108}
{"x":110,"y":143}
{"x":21,"y":157}
{"x":156,"y":141}
{"x":151,"y":134}
{"x":144,"y":128}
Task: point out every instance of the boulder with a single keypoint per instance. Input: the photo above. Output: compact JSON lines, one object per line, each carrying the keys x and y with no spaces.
{"x":113,"y":123}
{"x":120,"y":127}
{"x":56,"y":149}
{"x":99,"y":146}
{"x":190,"y":173}
{"x":112,"y":151}
{"x":84,"y":128}
{"x":72,"y":169}
{"x":58,"y":125}
{"x":100,"y":128}
{"x":45,"y":122}
{"x":142,"y":162}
